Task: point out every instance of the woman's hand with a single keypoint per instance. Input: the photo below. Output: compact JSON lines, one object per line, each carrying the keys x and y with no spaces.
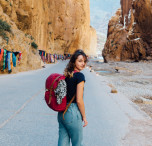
{"x":85,"y":122}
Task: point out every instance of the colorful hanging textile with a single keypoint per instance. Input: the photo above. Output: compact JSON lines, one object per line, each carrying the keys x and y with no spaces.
{"x":42,"y":56}
{"x":20,"y":56}
{"x":47,"y":57}
{"x":1,"y":53}
{"x":14,"y":59}
{"x":9,"y":63}
{"x":4,"y":59}
{"x":51,"y":58}
{"x":40,"y":52}
{"x":16,"y":53}
{"x":55,"y":56}
{"x":11,"y":60}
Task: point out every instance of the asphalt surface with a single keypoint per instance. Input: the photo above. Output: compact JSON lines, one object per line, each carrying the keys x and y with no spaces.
{"x":25,"y":119}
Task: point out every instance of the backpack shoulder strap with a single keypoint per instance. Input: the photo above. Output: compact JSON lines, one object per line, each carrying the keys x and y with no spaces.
{"x":68,"y":106}
{"x":70,"y":101}
{"x":51,"y":87}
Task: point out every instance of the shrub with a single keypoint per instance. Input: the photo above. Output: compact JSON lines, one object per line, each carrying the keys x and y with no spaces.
{"x":32,"y":38}
{"x":5,"y":26}
{"x":29,"y":36}
{"x":34,"y":45}
{"x":49,"y":23}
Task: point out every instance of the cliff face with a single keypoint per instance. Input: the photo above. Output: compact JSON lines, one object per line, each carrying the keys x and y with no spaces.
{"x":129,"y":32}
{"x":57,"y":26}
{"x":19,"y":42}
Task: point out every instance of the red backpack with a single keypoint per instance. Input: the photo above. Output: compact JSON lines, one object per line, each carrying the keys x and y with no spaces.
{"x":51,"y":99}
{"x":55,"y":93}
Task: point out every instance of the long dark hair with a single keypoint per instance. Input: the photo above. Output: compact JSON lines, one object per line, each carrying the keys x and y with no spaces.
{"x":68,"y":72}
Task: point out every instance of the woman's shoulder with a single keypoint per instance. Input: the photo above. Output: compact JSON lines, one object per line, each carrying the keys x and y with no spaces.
{"x":80,"y":76}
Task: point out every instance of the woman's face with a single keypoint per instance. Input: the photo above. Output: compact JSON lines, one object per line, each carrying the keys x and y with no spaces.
{"x":80,"y":63}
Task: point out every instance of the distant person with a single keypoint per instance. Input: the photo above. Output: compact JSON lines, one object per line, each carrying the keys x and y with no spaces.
{"x":72,"y":127}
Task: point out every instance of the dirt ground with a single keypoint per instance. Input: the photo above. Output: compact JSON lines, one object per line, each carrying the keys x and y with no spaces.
{"x":133,"y":79}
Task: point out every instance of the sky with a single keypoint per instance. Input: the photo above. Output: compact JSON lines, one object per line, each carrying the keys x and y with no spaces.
{"x":100,"y":13}
{"x":101,"y":10}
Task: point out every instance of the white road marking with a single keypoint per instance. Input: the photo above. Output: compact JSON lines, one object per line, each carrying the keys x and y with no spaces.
{"x":20,"y":109}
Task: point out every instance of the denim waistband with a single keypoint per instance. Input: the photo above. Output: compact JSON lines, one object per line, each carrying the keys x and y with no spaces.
{"x":73,"y":105}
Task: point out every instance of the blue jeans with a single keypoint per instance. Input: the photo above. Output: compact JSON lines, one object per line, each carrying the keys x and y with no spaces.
{"x":71,"y":127}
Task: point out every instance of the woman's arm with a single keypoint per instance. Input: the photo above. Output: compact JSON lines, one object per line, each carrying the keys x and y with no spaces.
{"x":80,"y":102}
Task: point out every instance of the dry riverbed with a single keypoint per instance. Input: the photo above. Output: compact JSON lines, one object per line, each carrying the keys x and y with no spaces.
{"x":133,"y":79}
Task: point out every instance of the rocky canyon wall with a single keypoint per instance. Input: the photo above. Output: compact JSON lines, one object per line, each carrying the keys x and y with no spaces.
{"x":130,"y":32}
{"x":125,"y":8}
{"x":57,"y":26}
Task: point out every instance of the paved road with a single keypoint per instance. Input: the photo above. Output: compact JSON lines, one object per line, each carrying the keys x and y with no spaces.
{"x":25,"y":120}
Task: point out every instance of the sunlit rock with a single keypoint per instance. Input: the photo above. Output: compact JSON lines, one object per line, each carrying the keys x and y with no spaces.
{"x":130,"y":33}
{"x":56,"y":26}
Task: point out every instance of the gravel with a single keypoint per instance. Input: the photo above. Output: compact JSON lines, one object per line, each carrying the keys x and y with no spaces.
{"x":133,"y":79}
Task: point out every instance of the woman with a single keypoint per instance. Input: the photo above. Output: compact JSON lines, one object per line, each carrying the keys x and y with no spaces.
{"x":71,"y":127}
